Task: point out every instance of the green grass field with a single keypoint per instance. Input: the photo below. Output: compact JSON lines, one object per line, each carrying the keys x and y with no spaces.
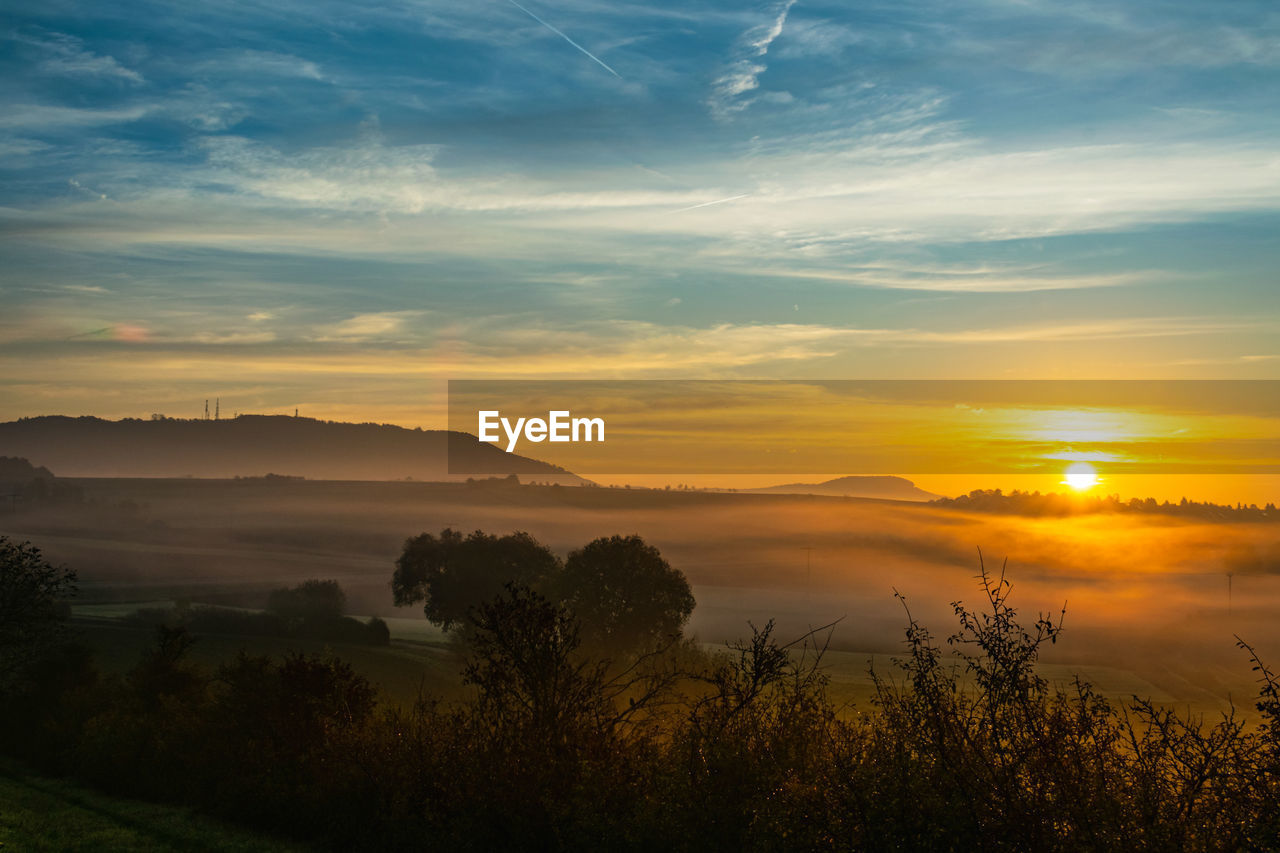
{"x":420,"y":660}
{"x":400,"y":671}
{"x":42,"y":814}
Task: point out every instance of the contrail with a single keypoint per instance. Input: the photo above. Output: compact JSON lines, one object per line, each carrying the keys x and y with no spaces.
{"x":593,"y":57}
{"x":709,"y":203}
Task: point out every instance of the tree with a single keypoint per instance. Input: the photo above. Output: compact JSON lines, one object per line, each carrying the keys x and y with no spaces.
{"x":32,"y":607}
{"x":310,"y":601}
{"x":451,"y":575}
{"x":531,"y":683}
{"x":625,"y":595}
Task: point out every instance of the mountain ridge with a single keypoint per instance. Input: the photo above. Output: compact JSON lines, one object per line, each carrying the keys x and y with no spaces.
{"x":255,"y":445}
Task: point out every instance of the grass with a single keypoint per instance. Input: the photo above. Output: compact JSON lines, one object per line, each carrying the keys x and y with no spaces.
{"x":418,"y":659}
{"x":39,"y":814}
{"x":399,"y":671}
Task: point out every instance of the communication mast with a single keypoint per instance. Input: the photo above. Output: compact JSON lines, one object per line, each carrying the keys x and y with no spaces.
{"x":217,"y":407}
{"x":206,"y":409}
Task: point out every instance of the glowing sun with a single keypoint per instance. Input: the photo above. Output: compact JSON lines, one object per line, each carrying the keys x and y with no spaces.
{"x":1081,"y":476}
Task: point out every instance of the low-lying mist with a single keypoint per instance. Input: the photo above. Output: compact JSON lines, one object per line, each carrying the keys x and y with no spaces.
{"x":1158,"y":598}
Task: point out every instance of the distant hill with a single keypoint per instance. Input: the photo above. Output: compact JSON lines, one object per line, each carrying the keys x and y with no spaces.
{"x":889,"y":488}
{"x":18,"y":470}
{"x":23,"y":484}
{"x":255,"y":445}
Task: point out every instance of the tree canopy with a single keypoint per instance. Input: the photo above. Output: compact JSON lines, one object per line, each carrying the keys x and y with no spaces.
{"x":452,"y":574}
{"x":624,"y":594}
{"x":313,"y":600}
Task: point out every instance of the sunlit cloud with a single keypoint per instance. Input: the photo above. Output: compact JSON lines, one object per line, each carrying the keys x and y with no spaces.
{"x":366,"y":327}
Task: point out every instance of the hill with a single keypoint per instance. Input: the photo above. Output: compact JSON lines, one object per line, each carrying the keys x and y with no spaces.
{"x":17,"y":470}
{"x":257,"y":445}
{"x":890,"y":488}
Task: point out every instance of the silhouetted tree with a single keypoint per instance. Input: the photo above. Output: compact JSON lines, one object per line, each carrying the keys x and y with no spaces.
{"x":624,"y":594}
{"x":451,"y":574}
{"x":32,"y":607}
{"x":524,"y":665}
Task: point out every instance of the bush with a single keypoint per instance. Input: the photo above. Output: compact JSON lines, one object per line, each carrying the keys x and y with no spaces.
{"x":203,"y":619}
{"x":965,"y":747}
{"x":32,"y":609}
{"x":310,"y":601}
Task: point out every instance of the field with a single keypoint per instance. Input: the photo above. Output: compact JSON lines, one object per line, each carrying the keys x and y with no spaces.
{"x":1149,"y":610}
{"x":42,"y":814}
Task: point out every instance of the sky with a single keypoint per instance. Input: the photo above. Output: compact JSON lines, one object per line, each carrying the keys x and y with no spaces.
{"x":338,"y":207}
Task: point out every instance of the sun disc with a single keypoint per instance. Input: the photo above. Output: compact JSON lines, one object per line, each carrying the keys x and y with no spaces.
{"x":1081,"y":476}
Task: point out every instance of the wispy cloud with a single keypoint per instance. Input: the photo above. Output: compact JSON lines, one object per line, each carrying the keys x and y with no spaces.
{"x":671,"y":222}
{"x":975,"y":281}
{"x":68,"y":57}
{"x":743,"y":73}
{"x":367,"y":176}
{"x":367,"y":327}
{"x":262,"y":63}
{"x":49,"y":117}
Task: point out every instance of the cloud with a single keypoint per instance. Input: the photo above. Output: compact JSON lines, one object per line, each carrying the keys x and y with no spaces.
{"x":36,"y":117}
{"x":1094,"y":39}
{"x":373,"y":177}
{"x":743,"y":73}
{"x":367,"y":176}
{"x":367,"y":327}
{"x":260,"y":63}
{"x":980,"y":280}
{"x":67,"y":57}
{"x":79,"y":187}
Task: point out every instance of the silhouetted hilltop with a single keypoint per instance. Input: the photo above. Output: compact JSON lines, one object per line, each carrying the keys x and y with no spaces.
{"x":255,"y":445}
{"x":890,"y":488}
{"x":23,"y":485}
{"x":18,"y":470}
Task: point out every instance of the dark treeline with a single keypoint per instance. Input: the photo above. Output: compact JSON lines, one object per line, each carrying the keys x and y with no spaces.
{"x":313,"y":609}
{"x":669,"y":748}
{"x":25,"y":485}
{"x":1018,"y":502}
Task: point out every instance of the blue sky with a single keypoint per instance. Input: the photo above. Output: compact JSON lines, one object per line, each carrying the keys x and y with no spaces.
{"x":338,"y":208}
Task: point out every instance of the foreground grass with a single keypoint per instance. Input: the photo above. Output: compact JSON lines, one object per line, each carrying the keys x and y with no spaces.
{"x":400,"y":671}
{"x":38,"y":814}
